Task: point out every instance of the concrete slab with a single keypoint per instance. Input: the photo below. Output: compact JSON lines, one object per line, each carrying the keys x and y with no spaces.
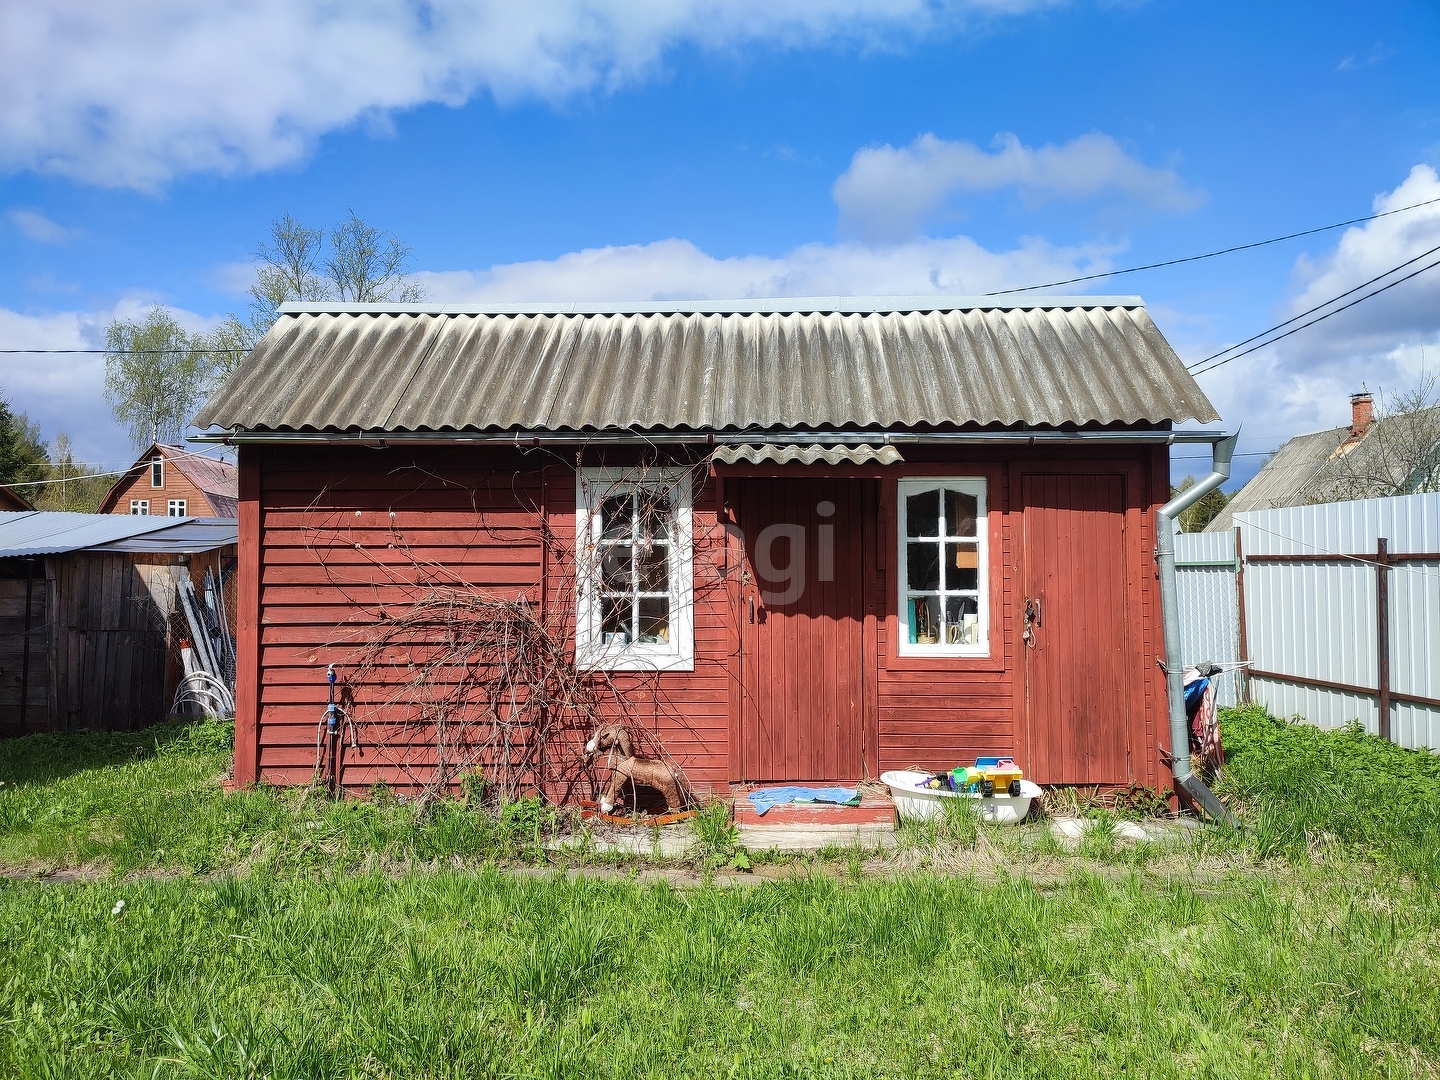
{"x":672,"y":843}
{"x":811,"y":836}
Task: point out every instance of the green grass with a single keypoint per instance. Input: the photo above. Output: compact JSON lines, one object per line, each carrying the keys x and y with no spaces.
{"x":1301,"y":791}
{"x":152,"y":800}
{"x":275,"y":934}
{"x":467,"y":975}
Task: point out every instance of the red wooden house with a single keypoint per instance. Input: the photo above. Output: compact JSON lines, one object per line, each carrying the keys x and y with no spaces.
{"x":814,"y":539}
{"x":170,"y":481}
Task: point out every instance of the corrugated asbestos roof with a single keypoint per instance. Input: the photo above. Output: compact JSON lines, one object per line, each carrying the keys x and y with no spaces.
{"x":807,"y":455}
{"x":766,"y":364}
{"x":50,"y":532}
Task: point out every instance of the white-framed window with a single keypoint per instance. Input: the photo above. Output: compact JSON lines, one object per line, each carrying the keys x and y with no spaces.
{"x":157,"y":472}
{"x":140,"y":507}
{"x":175,"y":508}
{"x":634,"y":603}
{"x":943,"y":567}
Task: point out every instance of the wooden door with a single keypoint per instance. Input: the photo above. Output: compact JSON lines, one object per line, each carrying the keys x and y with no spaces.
{"x":1076,"y":693}
{"x":802,"y":613}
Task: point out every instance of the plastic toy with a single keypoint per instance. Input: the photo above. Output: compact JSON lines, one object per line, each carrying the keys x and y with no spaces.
{"x":987,"y":776}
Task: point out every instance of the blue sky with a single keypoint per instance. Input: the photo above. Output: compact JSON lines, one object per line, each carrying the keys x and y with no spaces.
{"x":688,"y":148}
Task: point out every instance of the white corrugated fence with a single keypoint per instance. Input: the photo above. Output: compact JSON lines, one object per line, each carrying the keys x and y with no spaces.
{"x":1310,"y":579}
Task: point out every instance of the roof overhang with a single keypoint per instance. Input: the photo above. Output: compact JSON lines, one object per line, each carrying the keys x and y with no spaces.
{"x":523,"y":439}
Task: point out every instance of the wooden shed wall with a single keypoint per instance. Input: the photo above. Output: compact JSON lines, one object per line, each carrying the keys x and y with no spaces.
{"x":331,"y":535}
{"x":102,"y":652}
{"x":36,"y":715}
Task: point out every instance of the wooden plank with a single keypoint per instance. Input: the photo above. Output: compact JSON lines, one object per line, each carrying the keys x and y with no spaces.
{"x":247,"y":602}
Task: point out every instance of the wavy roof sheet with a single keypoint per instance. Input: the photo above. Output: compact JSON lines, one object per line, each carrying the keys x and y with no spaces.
{"x":51,"y":532}
{"x":765,"y":364}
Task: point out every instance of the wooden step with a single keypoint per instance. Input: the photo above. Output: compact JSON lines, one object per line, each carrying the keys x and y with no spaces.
{"x":876,"y":808}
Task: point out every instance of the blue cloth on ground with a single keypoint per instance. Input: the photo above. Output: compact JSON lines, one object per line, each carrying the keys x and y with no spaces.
{"x":764,"y":799}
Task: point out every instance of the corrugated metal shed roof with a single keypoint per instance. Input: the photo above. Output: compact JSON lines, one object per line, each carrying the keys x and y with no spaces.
{"x":889,"y":363}
{"x":190,"y":536}
{"x":50,"y":532}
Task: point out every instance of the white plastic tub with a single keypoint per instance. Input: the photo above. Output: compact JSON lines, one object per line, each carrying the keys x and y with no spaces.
{"x":914,"y":803}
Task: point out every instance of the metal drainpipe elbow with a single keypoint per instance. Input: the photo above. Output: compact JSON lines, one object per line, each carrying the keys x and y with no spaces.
{"x":1222,"y":452}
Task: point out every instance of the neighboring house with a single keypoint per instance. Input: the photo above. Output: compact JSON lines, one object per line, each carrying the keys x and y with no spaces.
{"x":10,"y":499}
{"x":1366,"y":459}
{"x":803,"y":539}
{"x":170,"y":481}
{"x":86,"y":638}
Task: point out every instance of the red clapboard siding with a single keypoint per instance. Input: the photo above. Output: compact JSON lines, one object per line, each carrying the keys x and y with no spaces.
{"x":337,"y":535}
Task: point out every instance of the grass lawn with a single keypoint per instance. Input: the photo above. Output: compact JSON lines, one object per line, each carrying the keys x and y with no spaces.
{"x":274,"y":934}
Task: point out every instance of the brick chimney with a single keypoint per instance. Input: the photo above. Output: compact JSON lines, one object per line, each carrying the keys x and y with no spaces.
{"x":1362,"y":414}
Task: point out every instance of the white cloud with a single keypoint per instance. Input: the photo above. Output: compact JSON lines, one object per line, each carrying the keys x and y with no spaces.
{"x":1408,"y":312}
{"x":677,"y":269}
{"x":1303,"y":383}
{"x":34,"y":225}
{"x":133,"y":92}
{"x":891,"y":193}
{"x":66,"y":391}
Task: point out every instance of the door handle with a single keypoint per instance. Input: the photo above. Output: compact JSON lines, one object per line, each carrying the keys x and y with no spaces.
{"x":1032,"y":620}
{"x":752,"y":609}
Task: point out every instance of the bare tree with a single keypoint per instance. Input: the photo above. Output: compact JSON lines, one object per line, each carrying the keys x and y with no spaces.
{"x":1399,"y":454}
{"x":367,"y":266}
{"x":288,"y":270}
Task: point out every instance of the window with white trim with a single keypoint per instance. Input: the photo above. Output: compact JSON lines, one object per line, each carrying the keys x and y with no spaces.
{"x":943,"y":567}
{"x":157,"y":472}
{"x":175,"y":508}
{"x":140,"y":507}
{"x":634,"y":607}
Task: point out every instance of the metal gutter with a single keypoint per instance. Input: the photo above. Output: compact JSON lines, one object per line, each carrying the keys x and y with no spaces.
{"x":1223,"y":449}
{"x":730,"y":438}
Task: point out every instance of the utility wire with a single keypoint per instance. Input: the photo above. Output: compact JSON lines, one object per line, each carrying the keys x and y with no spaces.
{"x":126,"y":352}
{"x":1000,"y":292}
{"x":1317,"y":307}
{"x":1322,"y":318}
{"x":1213,"y":254}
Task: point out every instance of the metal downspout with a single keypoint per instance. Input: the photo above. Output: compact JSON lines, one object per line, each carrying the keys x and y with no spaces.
{"x":1185,"y":780}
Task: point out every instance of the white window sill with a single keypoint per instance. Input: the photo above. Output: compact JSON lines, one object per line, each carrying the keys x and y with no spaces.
{"x":946,"y":652}
{"x":631,"y":659}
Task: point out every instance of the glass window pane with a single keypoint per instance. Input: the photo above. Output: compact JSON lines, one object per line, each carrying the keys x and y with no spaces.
{"x":922,"y":514}
{"x":653,"y":568}
{"x":962,"y":620}
{"x":962,"y":566}
{"x":924,"y":613}
{"x":923,"y":569}
{"x":655,"y":620}
{"x":654,"y":512}
{"x":615,"y":575}
{"x":615,"y":622}
{"x":960,"y":513}
{"x":615,"y":517}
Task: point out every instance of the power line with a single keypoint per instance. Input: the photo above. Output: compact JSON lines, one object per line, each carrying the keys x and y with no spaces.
{"x":1213,"y":254}
{"x":126,"y":352}
{"x":1317,"y":307}
{"x":1321,"y":318}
